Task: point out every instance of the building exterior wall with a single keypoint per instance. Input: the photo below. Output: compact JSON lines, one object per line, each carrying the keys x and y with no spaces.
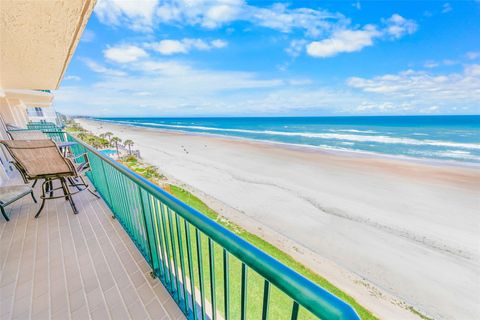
{"x":37,"y":114}
{"x":13,"y":111}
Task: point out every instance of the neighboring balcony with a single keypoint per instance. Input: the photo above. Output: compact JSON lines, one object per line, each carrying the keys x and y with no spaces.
{"x":141,"y":253}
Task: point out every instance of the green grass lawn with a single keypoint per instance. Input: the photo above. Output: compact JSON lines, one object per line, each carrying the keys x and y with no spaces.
{"x":281,"y":305}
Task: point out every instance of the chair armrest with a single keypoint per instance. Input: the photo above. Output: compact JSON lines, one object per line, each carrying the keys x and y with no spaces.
{"x":84,"y":155}
{"x":80,"y":167}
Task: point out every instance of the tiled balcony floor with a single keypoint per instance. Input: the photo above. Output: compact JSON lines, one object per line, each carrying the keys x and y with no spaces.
{"x":66,"y":266}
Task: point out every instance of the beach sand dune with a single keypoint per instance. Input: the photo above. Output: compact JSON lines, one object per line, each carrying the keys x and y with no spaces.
{"x":386,"y":231}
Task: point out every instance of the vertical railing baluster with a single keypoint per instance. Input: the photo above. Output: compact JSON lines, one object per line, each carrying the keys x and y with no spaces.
{"x":200,"y":271}
{"x":243,"y":298}
{"x":159,"y":234}
{"x":190,"y":269}
{"x":174,"y":254}
{"x":154,"y":232}
{"x":169,"y":261}
{"x":294,"y":311}
{"x":148,"y":231}
{"x":107,"y":186}
{"x":266,"y":295}
{"x":226,"y":284}
{"x":182,"y":262}
{"x":211,"y":255}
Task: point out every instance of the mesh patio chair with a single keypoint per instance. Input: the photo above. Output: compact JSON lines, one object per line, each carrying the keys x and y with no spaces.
{"x":10,"y":194}
{"x":23,"y":134}
{"x":41,"y":159}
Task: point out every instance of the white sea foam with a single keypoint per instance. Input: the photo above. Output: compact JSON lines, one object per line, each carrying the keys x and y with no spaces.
{"x":353,"y":130}
{"x":327,"y":136}
{"x":453,"y":154}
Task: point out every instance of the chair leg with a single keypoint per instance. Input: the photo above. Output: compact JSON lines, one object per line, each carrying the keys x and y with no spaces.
{"x":96,"y":195}
{"x":44,"y":186}
{"x":73,"y":182}
{"x":68,"y":195}
{"x":51,"y":188}
{"x":33,"y":196}
{"x":4,"y":214}
{"x":88,"y":188}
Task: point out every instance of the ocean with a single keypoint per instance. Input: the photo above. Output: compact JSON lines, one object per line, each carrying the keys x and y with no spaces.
{"x":447,"y":138}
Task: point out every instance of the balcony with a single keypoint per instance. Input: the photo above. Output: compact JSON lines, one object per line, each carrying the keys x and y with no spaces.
{"x":157,"y":258}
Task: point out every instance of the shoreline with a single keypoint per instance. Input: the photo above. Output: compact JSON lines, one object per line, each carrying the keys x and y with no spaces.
{"x":306,"y":147}
{"x":198,"y":173}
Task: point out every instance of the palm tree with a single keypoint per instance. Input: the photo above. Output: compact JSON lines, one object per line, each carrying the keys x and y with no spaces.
{"x":82,"y":136}
{"x":107,"y":135}
{"x":128,"y":143}
{"x":104,"y":143}
{"x":115,"y":141}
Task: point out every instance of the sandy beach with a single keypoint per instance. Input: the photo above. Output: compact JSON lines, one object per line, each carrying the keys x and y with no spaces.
{"x":391,"y":233}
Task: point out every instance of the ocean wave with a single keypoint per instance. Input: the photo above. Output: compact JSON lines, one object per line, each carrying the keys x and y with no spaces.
{"x":353,"y":130}
{"x":328,"y":136}
{"x":452,"y":154}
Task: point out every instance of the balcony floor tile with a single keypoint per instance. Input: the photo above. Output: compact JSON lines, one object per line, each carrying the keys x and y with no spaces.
{"x":63,"y":265}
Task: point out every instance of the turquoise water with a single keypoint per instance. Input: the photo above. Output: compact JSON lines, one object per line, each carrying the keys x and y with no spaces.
{"x":452,"y":138}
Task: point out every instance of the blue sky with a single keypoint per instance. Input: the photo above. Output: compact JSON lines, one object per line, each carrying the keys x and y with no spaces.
{"x":268,"y":58}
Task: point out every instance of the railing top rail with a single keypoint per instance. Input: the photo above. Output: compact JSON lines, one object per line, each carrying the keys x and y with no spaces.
{"x":308,"y":294}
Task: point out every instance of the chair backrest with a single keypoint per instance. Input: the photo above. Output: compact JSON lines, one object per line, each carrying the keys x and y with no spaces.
{"x":27,"y":135}
{"x":38,"y":158}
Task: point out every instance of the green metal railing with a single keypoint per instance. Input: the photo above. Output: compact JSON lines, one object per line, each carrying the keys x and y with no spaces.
{"x":210,"y":272}
{"x":48,"y":126}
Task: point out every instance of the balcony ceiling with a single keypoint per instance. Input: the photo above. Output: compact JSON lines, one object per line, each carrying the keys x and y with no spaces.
{"x":38,"y":39}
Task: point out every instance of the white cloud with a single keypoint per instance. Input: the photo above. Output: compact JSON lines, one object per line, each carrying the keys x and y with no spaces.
{"x":88,"y":36}
{"x":343,"y":41}
{"x":75,"y":78}
{"x":397,"y":26}
{"x":218,"y":43}
{"x":216,"y":13}
{"x":421,"y":86}
{"x":221,"y":13}
{"x":280,"y":17}
{"x":431,"y":64}
{"x":472,"y":55}
{"x":446,"y":8}
{"x":124,"y":53}
{"x":449,"y":62}
{"x":137,"y":15}
{"x":168,"y":87}
{"x":472,"y":70}
{"x":347,"y":40}
{"x":98,"y":68}
{"x":211,"y":14}
{"x":296,"y":47}
{"x":169,"y":47}
{"x":357,"y":5}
